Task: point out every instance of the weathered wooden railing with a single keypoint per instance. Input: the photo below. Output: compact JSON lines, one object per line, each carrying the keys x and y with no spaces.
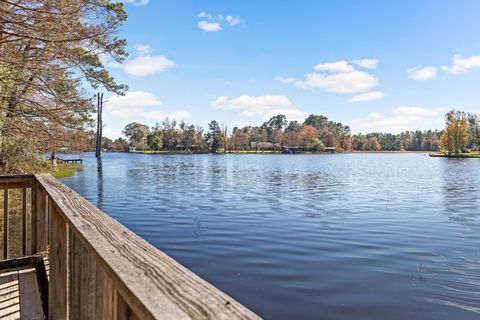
{"x":98,"y":268}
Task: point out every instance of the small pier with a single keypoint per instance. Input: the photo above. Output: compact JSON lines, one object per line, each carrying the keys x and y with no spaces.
{"x":71,"y":160}
{"x":63,"y":258}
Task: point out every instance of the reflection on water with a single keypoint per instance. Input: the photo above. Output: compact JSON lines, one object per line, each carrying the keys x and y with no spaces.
{"x":346,"y":236}
{"x":100,"y":190}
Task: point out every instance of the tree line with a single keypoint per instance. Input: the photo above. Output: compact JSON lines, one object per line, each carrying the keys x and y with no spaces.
{"x":316,"y":133}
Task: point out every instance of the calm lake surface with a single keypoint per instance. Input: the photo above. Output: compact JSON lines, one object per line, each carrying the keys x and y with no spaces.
{"x":345,"y":236}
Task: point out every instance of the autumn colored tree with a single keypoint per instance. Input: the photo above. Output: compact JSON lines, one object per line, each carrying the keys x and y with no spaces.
{"x":454,"y":138}
{"x":308,"y":137}
{"x":331,"y":140}
{"x":373,"y":144}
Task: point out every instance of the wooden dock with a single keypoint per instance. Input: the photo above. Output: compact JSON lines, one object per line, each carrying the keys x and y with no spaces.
{"x":71,"y":160}
{"x":98,"y":269}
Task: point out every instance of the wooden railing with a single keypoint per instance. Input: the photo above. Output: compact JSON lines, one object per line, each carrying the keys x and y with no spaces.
{"x":98,"y":268}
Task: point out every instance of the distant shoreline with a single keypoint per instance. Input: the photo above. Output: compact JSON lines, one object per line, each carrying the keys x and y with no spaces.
{"x":263,"y":152}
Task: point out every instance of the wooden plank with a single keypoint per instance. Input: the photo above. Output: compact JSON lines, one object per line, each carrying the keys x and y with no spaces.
{"x":10,"y":180}
{"x":33,"y":219}
{"x":58,"y":258}
{"x":15,"y":185}
{"x":24,"y":222}
{"x":5,"y":224}
{"x":108,"y":299}
{"x":122,"y":311}
{"x":153,"y":284}
{"x":9,"y":296}
{"x":13,"y":178}
{"x":90,"y":286}
{"x":99,"y":292}
{"x":41,"y":219}
{"x":74,"y":275}
{"x":30,"y":303}
{"x":83,"y":287}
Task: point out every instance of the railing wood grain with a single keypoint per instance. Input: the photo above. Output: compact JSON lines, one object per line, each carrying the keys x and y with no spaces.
{"x":101,"y":270}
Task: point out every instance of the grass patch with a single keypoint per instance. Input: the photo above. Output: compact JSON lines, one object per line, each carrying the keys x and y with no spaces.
{"x":460,"y":155}
{"x":66,"y":170}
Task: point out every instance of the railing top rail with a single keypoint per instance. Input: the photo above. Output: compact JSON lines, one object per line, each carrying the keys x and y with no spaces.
{"x":153,"y":284}
{"x":10,"y":178}
{"x":16,"y":181}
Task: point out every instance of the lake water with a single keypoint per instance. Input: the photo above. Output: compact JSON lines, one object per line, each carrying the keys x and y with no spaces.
{"x":345,"y":236}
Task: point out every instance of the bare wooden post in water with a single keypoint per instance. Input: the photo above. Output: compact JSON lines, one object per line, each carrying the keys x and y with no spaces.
{"x":98,"y":141}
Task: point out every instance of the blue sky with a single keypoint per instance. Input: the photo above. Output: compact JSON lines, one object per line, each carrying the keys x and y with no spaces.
{"x":374,"y":65}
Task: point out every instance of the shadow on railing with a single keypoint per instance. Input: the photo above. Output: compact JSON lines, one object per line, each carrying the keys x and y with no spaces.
{"x":98,"y":268}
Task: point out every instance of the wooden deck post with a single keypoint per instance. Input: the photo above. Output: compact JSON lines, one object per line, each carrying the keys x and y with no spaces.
{"x":39,"y":220}
{"x":24,"y":221}
{"x":33,"y":219}
{"x":58,"y":258}
{"x":5,"y":223}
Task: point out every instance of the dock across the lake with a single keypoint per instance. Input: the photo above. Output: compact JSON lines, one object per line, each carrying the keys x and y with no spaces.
{"x":71,"y":160}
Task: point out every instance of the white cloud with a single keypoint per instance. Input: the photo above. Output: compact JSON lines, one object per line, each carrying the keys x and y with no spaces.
{"x":204,"y":15}
{"x":112,"y":133}
{"x":345,"y":82}
{"x":421,"y":73}
{"x":141,"y":104}
{"x":211,"y":23}
{"x":148,"y":65}
{"x":286,"y":80}
{"x":134,"y":98}
{"x":209,"y":26}
{"x":143,"y":48}
{"x":262,"y":107}
{"x":338,"y":77}
{"x":136,"y":2}
{"x":368,"y":96}
{"x":341,"y":66}
{"x":461,"y":65}
{"x":367,"y":63}
{"x":219,"y":101}
{"x":232,"y":20}
{"x":400,"y":119}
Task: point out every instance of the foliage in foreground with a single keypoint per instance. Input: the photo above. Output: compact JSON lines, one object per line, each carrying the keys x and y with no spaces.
{"x":51,"y":55}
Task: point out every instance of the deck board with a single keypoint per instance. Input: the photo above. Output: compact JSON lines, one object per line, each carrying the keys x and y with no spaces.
{"x":19,"y":295}
{"x":30,"y":303}
{"x":9,"y":296}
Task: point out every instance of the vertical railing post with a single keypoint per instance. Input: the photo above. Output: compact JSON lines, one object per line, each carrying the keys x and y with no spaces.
{"x":39,"y":219}
{"x":5,"y":223}
{"x":33,"y":218}
{"x":24,"y":221}
{"x":58,"y":292}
